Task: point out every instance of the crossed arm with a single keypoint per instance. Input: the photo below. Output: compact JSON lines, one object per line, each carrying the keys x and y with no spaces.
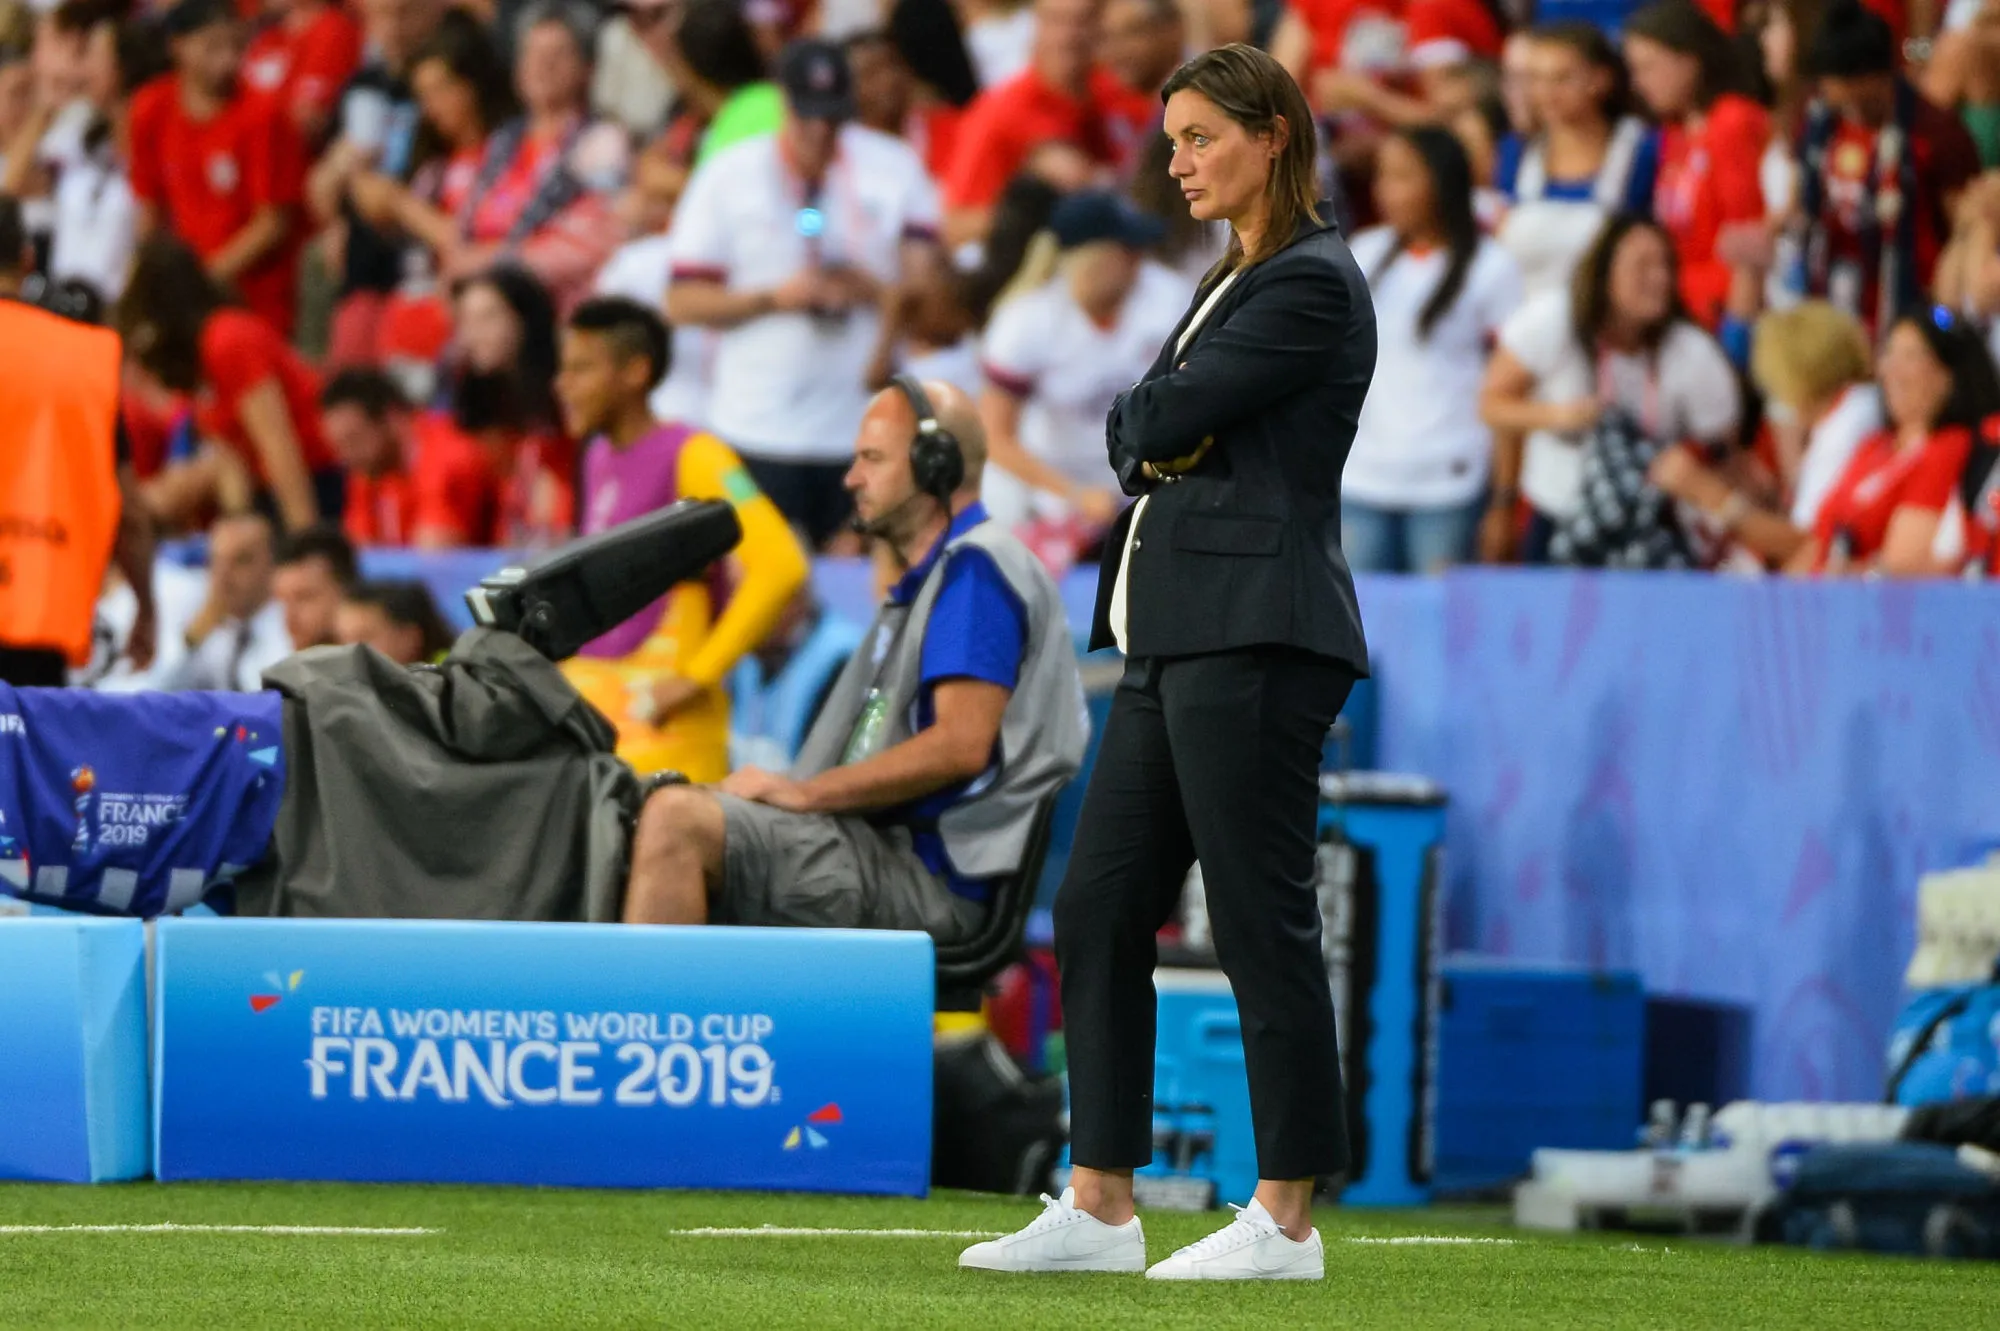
{"x":1275,"y":343}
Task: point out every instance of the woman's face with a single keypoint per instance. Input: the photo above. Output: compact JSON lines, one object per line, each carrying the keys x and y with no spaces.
{"x":1222,"y":168}
{"x":102,"y":78}
{"x":550,"y":73}
{"x":1563,"y":87}
{"x":448,"y":103}
{"x":1915,"y":384}
{"x":1404,"y":194}
{"x":1642,"y":278}
{"x":1779,"y":43}
{"x":1665,"y":79}
{"x":489,"y":334}
{"x":1102,"y":274}
{"x":58,"y":56}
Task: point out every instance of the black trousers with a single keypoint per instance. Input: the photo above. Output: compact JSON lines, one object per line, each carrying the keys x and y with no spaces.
{"x":1212,"y":757}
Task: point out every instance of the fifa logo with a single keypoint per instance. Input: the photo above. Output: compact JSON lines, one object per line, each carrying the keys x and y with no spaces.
{"x":82,"y":781}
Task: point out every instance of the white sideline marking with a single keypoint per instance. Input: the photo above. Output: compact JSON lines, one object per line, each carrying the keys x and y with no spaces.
{"x":1452,"y":1239}
{"x":310,"y":1231}
{"x":784,"y":1232}
{"x":781,"y":1232}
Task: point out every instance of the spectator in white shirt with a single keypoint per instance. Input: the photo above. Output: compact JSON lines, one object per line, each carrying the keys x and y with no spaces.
{"x":1415,"y":484}
{"x":96,"y":217}
{"x":64,"y":161}
{"x":1619,"y":337}
{"x":793,"y":246}
{"x":1085,"y":318}
{"x":1813,"y":364}
{"x":239,"y":631}
{"x":1589,"y":159}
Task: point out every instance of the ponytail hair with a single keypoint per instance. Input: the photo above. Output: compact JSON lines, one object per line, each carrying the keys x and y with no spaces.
{"x":1038,"y":268}
{"x":1450,"y":172}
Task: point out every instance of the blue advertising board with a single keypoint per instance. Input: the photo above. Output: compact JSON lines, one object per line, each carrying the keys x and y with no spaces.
{"x":556,"y":1054}
{"x":72,"y":1049}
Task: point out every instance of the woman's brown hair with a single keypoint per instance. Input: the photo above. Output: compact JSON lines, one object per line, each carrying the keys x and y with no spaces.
{"x":1254,"y":91}
{"x":167,"y":304}
{"x":1684,"y":29}
{"x":1590,"y":289}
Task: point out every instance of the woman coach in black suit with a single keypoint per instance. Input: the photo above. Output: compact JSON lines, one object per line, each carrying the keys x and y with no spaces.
{"x":1226,"y":588}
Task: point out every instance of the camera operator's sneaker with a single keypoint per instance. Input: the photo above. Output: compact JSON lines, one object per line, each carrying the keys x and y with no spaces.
{"x":1252,"y":1247}
{"x":1063,"y":1238}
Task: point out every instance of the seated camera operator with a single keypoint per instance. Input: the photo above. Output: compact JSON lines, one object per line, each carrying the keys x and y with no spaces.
{"x":959,"y":715}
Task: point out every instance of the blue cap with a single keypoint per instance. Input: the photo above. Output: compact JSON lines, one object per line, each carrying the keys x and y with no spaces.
{"x":1093,"y":215}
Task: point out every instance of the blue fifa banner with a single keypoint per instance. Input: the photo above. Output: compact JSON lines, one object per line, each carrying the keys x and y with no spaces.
{"x":551,"y":1054}
{"x":134,"y":804}
{"x":72,"y":1050}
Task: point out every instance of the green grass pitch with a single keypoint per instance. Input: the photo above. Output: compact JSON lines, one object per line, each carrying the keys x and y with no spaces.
{"x":549,"y":1258}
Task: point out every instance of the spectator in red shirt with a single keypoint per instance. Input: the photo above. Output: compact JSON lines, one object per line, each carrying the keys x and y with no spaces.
{"x":502,"y":396}
{"x":464,"y":95}
{"x":1883,"y":169}
{"x":412,"y":478}
{"x":303,"y":59}
{"x":544,"y":189}
{"x":1712,"y":143}
{"x":1883,"y":515}
{"x":1969,"y":540}
{"x":1385,"y":60}
{"x":218,"y":167}
{"x":1062,"y":97}
{"x":254,"y":398}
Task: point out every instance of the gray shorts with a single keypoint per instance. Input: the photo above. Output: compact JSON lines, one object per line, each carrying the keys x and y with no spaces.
{"x":825,"y":871}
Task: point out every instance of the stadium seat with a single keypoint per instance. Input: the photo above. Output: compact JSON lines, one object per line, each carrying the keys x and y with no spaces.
{"x":964,"y":968}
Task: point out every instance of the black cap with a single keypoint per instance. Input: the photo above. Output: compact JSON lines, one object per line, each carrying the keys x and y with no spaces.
{"x":816,"y":81}
{"x":1094,"y":215}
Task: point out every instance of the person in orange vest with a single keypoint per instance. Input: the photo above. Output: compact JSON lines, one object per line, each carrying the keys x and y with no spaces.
{"x":68,"y":495}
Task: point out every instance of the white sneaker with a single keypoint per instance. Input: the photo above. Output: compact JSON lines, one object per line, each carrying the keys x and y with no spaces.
{"x":1063,"y":1238}
{"x":1252,"y":1247}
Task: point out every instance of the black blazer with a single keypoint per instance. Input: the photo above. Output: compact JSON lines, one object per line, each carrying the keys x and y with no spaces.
{"x":1244,"y":549}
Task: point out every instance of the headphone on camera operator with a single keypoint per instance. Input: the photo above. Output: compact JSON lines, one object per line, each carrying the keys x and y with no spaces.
{"x":937,"y":462}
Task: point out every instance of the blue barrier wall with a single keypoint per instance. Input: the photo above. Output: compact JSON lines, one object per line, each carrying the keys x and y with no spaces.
{"x":1729,"y":786}
{"x":72,"y":1049}
{"x":574,"y":1055}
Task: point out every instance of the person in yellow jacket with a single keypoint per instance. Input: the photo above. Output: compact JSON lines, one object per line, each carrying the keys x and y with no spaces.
{"x":658,"y":676}
{"x":67,"y":496}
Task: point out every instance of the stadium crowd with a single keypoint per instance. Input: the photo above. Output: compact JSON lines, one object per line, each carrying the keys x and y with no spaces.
{"x":1686,"y":285}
